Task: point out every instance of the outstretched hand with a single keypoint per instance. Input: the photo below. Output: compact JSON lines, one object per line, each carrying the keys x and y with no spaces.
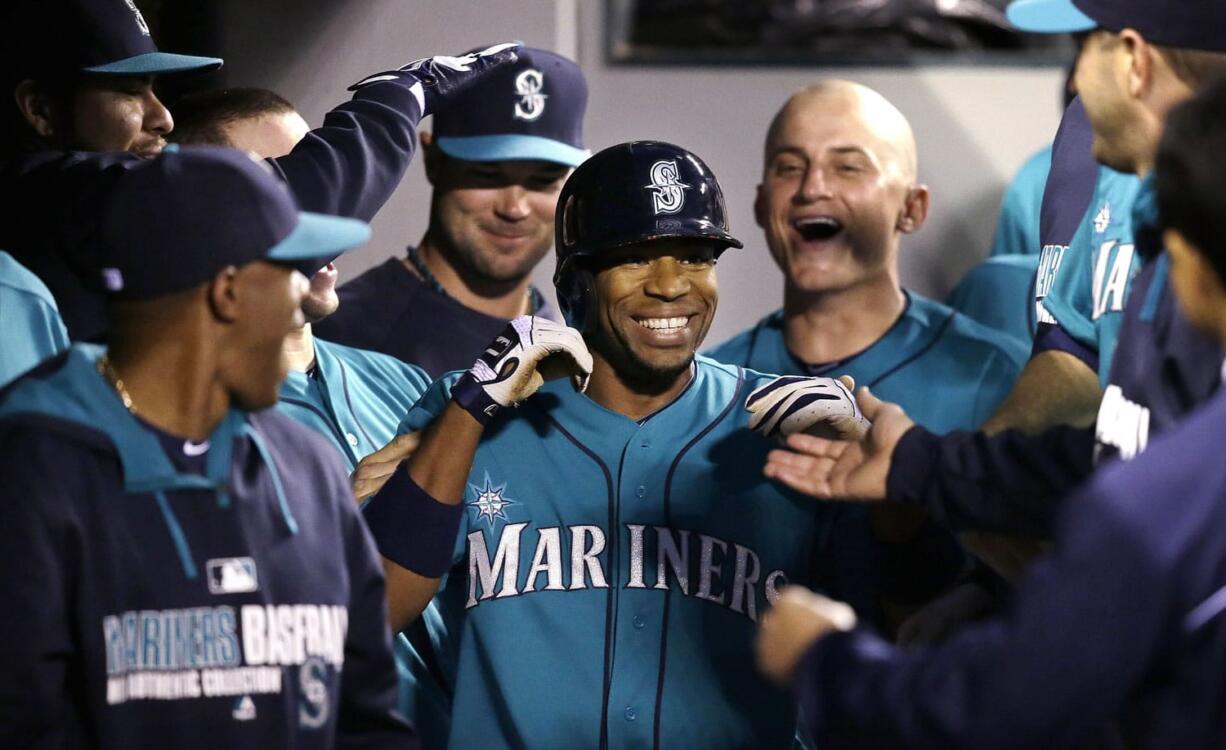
{"x":374,"y":470}
{"x":835,"y":469}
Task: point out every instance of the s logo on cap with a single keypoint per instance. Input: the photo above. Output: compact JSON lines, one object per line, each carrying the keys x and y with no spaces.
{"x":531,"y":104}
{"x":669,"y":193}
{"x":140,"y":19}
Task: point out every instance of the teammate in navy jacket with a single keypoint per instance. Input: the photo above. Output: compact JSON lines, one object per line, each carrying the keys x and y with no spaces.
{"x":81,"y":74}
{"x":182,"y":569}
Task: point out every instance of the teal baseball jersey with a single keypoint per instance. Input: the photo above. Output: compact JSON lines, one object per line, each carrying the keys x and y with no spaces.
{"x":1083,"y":292}
{"x":999,"y":293}
{"x":1017,"y":229}
{"x":30,"y":326}
{"x":948,"y":371}
{"x":609,"y":573}
{"x":354,"y":398}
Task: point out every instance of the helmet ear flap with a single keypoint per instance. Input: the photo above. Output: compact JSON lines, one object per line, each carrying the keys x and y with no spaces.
{"x":575,"y":296}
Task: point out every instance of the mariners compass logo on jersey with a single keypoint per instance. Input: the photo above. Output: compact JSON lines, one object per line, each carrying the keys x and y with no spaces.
{"x":491,"y":502}
{"x":531,"y":104}
{"x":669,"y":194}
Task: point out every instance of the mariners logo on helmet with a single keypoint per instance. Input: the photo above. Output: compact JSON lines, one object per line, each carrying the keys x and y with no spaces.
{"x":531,"y":104}
{"x":669,"y":193}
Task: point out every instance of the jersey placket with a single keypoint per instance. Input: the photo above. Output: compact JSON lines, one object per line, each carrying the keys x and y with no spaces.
{"x":639,"y":609}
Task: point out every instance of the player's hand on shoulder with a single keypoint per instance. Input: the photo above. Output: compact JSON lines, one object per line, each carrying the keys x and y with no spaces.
{"x":823,"y":407}
{"x":528,"y":352}
{"x":437,"y":81}
{"x":374,"y":470}
{"x":838,"y":469}
{"x":797,"y":619}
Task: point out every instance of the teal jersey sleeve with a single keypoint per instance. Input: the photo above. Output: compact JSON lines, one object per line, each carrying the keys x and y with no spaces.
{"x":30,"y":326}
{"x":430,"y":405}
{"x":1087,"y":294}
{"x":353,"y":397}
{"x":999,"y":293}
{"x":1017,"y":229}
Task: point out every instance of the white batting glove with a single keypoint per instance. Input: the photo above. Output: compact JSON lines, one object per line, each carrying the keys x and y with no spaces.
{"x":528,"y":352}
{"x":823,"y":407}
{"x":436,"y":81}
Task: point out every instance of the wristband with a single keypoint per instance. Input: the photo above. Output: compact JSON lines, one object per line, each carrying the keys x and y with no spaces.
{"x":411,"y":528}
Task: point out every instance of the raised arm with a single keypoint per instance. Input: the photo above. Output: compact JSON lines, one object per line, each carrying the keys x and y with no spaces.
{"x":353,"y":164}
{"x":416,"y":516}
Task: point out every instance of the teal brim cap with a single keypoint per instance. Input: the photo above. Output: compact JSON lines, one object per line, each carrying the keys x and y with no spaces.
{"x":319,"y":237}
{"x":1048,"y":17}
{"x":511,"y":147}
{"x":156,"y":63}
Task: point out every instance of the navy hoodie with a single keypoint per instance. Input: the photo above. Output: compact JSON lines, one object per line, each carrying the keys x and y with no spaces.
{"x":149,"y":605}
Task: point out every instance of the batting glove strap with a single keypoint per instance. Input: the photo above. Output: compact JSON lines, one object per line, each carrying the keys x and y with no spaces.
{"x":436,"y":81}
{"x":509,"y":370}
{"x":411,"y":528}
{"x":470,"y":396}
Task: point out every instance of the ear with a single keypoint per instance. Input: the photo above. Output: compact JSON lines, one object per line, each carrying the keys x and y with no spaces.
{"x":1140,"y":55}
{"x":759,"y":208}
{"x":429,"y":150}
{"x":35,"y":107}
{"x":914,"y":210}
{"x":224,"y":295}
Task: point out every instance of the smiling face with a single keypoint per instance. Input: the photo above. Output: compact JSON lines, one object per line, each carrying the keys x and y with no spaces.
{"x":838,"y":188}
{"x":118,"y":113}
{"x":495,"y":219}
{"x":654,"y":304}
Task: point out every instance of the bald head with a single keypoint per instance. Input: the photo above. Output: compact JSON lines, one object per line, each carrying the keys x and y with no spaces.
{"x":846,"y":115}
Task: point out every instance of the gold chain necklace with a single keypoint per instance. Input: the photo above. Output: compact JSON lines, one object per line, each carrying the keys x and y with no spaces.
{"x":108,"y":371}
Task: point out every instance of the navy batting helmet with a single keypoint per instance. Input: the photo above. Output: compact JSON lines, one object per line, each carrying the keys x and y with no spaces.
{"x":627,"y":194}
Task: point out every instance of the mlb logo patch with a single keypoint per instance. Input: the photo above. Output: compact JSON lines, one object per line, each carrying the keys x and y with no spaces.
{"x":232,"y":575}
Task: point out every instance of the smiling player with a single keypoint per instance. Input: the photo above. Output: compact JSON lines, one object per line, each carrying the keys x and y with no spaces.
{"x":619,"y":544}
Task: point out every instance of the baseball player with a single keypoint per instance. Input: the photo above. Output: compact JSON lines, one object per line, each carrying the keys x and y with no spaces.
{"x":839,"y":191}
{"x":496,"y":161}
{"x":80,"y":72}
{"x":185,"y":568}
{"x":618,"y":544}
{"x":32,"y":329}
{"x":1126,"y":621}
{"x":354,"y":398}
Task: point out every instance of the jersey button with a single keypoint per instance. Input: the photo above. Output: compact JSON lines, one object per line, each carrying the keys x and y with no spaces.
{"x":639,"y":621}
{"x":352,"y":439}
{"x":630,"y":713}
{"x":645,"y":444}
{"x":641,"y":491}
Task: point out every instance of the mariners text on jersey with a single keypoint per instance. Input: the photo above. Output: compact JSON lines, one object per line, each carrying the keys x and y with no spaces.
{"x":705,"y":567}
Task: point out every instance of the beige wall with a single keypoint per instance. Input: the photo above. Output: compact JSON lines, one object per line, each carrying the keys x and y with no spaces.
{"x":974,"y":125}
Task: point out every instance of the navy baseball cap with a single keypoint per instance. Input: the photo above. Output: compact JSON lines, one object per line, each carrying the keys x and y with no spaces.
{"x":1187,"y":24}
{"x":531,"y":109}
{"x":105,"y":37}
{"x":174,"y":221}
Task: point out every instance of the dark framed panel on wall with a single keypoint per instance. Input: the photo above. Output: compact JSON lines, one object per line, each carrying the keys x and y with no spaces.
{"x":823,"y":32}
